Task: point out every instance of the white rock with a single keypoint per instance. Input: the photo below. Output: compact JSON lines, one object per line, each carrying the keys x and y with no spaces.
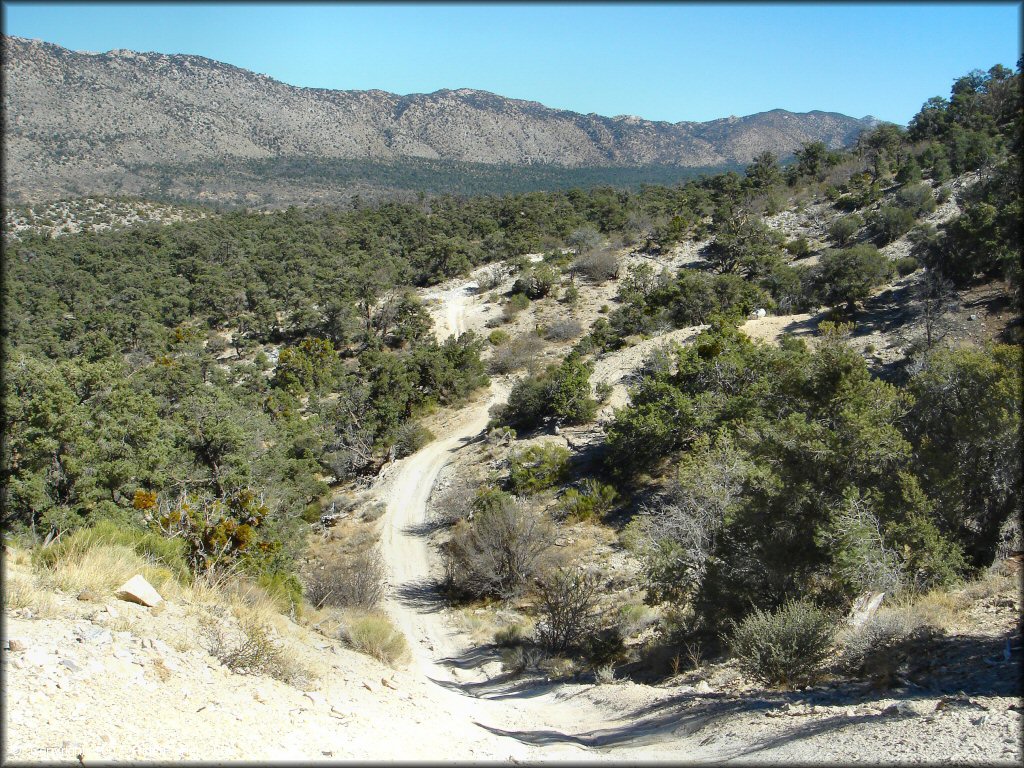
{"x":138,"y":590}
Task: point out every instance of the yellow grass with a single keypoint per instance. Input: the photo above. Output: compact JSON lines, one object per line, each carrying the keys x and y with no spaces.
{"x":375,"y":635}
{"x":104,"y":568}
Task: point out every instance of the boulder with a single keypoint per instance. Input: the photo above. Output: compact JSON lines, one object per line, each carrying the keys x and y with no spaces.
{"x":138,"y":590}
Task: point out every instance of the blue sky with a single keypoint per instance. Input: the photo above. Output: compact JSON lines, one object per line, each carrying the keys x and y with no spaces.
{"x":686,"y":61}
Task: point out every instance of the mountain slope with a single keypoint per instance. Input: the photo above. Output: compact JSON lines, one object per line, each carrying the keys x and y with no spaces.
{"x":84,"y":122}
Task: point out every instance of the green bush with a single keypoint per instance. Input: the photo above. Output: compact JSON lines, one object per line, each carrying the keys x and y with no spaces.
{"x":497,"y":337}
{"x":849,"y":274}
{"x":798,"y":248}
{"x":843,"y":229}
{"x":916,"y":198}
{"x":410,"y":438}
{"x":594,"y":499}
{"x":561,"y":392}
{"x":536,"y":283}
{"x":785,"y":647}
{"x":516,"y":303}
{"x":906,"y":265}
{"x":889,"y":223}
{"x":537,"y":468}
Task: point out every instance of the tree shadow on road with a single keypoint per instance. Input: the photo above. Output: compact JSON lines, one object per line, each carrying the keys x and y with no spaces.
{"x":424,"y":596}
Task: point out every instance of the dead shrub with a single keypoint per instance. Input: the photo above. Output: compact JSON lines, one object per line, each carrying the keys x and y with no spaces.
{"x":598,"y":266}
{"x":516,"y":354}
{"x":498,"y":552}
{"x":567,"y":601}
{"x":354,"y":580}
{"x":563,"y":329}
{"x":247,"y":649}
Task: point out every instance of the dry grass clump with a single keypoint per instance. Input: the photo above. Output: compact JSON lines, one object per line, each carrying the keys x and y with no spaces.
{"x":23,"y":593}
{"x":103,"y":569}
{"x":103,"y":557}
{"x":374,"y":635}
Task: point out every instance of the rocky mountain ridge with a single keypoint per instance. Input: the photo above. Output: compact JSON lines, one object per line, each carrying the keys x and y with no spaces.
{"x":82,"y":123}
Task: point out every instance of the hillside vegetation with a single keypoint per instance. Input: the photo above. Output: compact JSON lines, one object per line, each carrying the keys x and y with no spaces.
{"x":224,"y":383}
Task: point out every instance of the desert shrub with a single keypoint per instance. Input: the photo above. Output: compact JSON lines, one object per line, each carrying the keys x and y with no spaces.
{"x":374,"y":635}
{"x":563,"y":329}
{"x":603,"y":647}
{"x":516,"y":303}
{"x":888,"y":223}
{"x":520,"y":658}
{"x":849,"y":274}
{"x":351,"y":581}
{"x":885,"y":642}
{"x":634,"y":618}
{"x":561,"y":392}
{"x":499,"y":551}
{"x":510,"y":635}
{"x":916,"y":198}
{"x":598,"y":266}
{"x":798,"y":248}
{"x":567,"y":600}
{"x":497,"y":337}
{"x":784,"y":647}
{"x":594,"y":499}
{"x":583,"y":239}
{"x":906,"y":265}
{"x":537,"y":468}
{"x":375,"y":511}
{"x":247,"y":649}
{"x":516,"y":354}
{"x":536,"y":283}
{"x":454,"y":502}
{"x":410,"y":438}
{"x":844,"y":228}
{"x":490,"y":278}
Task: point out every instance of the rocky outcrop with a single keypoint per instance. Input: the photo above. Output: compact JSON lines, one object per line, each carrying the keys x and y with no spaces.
{"x":82,"y":122}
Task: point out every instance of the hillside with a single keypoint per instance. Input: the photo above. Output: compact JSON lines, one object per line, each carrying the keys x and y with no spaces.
{"x":729,"y":469}
{"x":175,"y":113}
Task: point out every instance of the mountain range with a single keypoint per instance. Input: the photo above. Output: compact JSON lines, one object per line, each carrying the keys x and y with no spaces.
{"x":128,"y":122}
